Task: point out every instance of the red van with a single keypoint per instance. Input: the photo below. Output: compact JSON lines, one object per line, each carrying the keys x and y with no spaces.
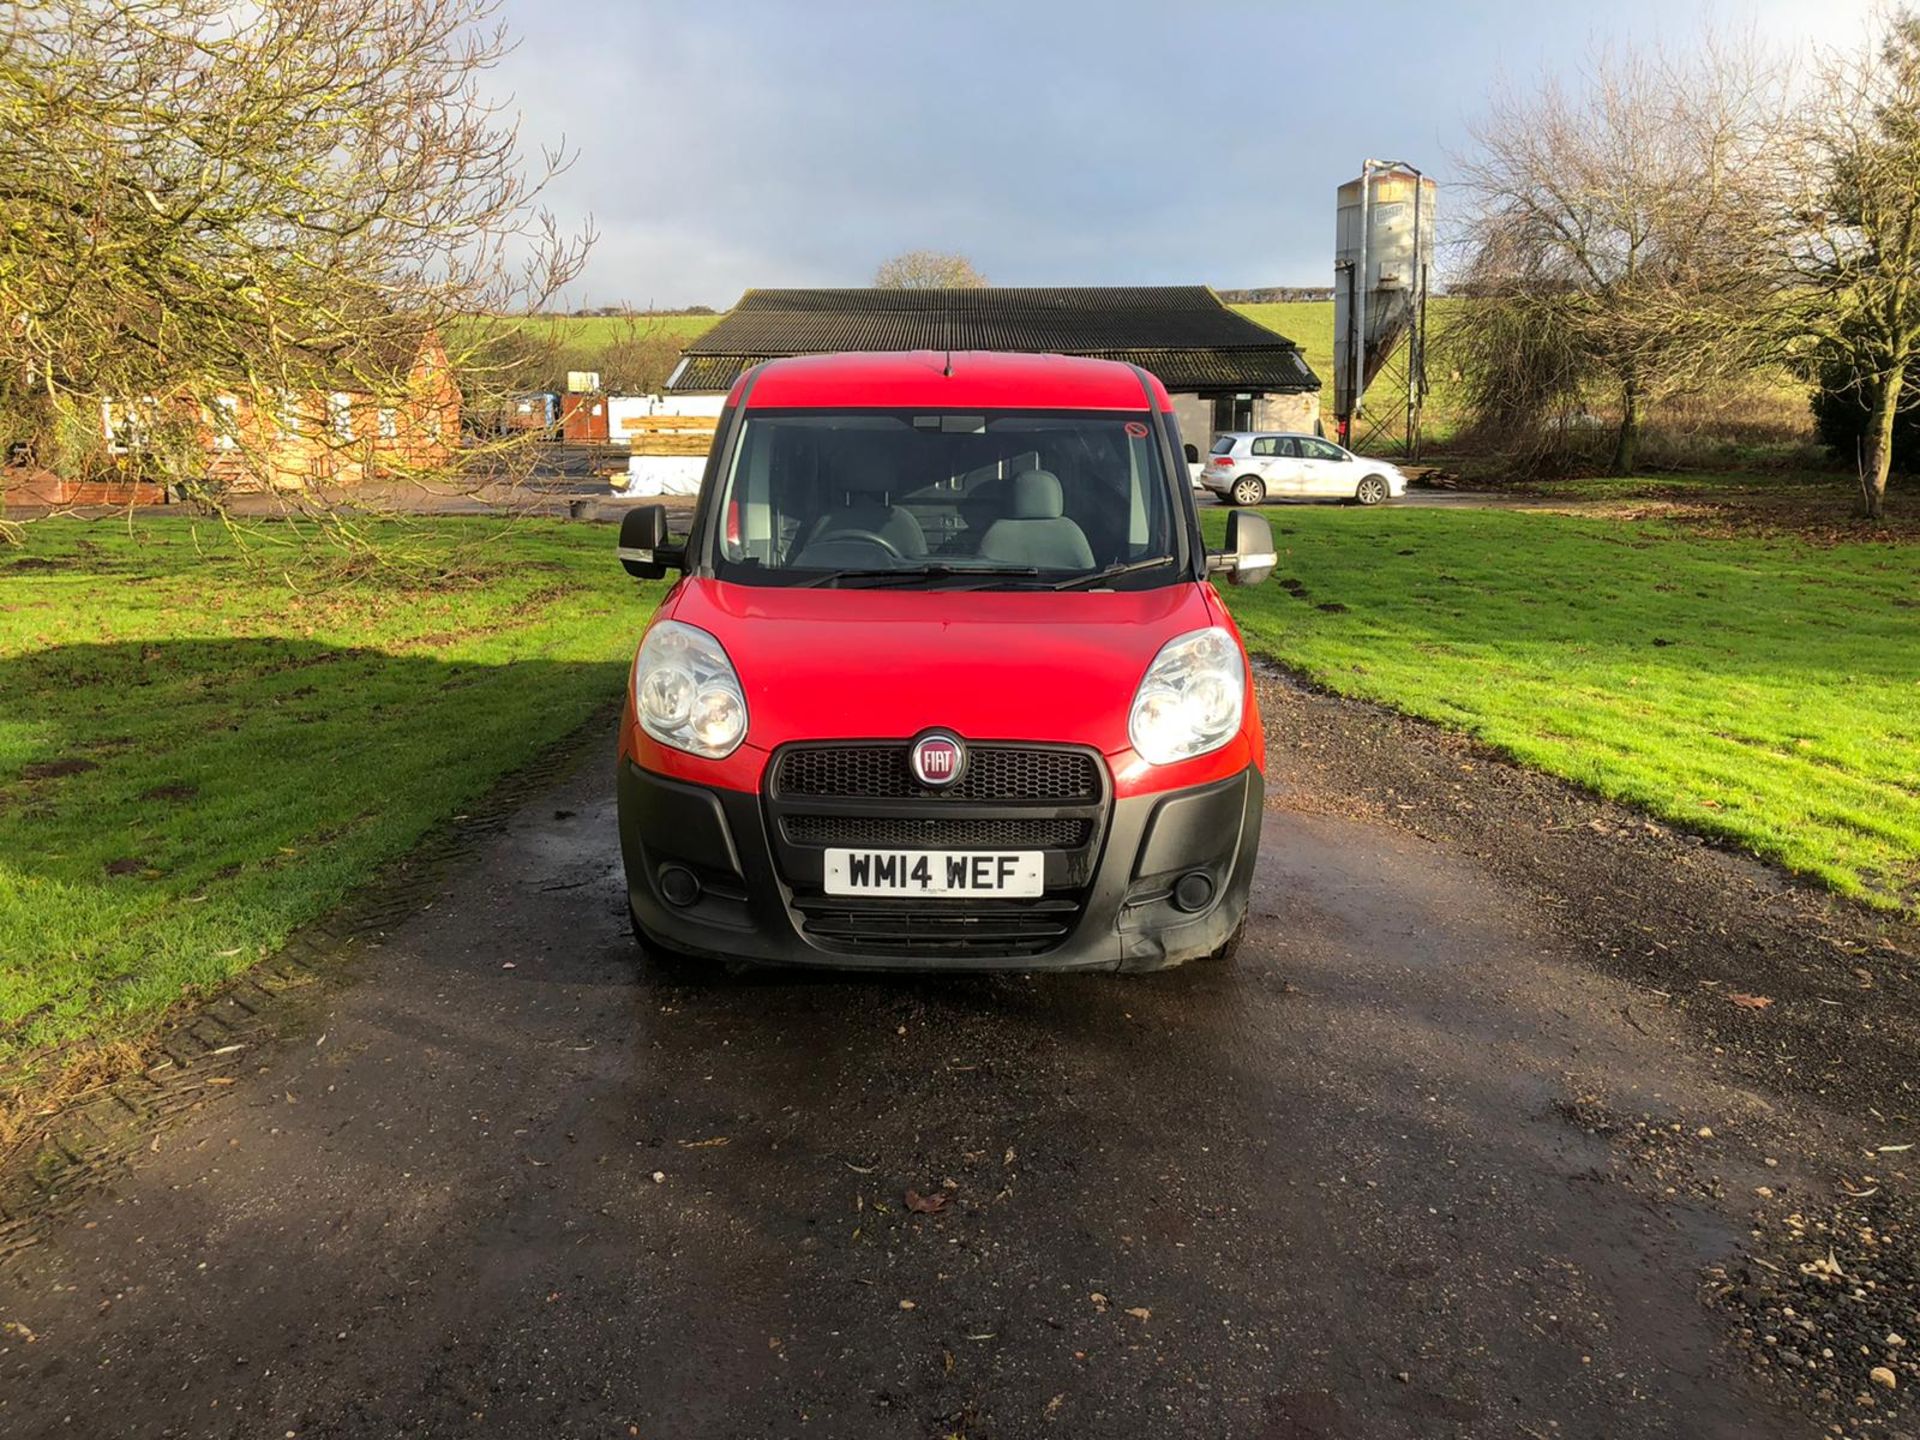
{"x":944,"y":683}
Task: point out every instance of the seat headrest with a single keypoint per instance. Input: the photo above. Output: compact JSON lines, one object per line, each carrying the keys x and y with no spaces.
{"x":1036,"y":496}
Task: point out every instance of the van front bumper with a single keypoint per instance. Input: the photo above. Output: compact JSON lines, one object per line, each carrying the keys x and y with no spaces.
{"x":756,"y":897}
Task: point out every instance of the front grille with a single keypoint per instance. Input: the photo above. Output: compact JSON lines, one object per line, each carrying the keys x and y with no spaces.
{"x":939,"y":832}
{"x":1052,"y":799}
{"x":938,"y":927}
{"x":994,"y":772}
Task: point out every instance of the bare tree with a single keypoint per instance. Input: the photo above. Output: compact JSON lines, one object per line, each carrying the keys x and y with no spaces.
{"x":215,"y":211}
{"x":928,"y":270}
{"x":1612,"y":237}
{"x":1854,"y":248}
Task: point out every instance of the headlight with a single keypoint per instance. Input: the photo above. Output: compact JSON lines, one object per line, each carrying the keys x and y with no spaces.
{"x":686,"y":693}
{"x":1191,"y":699}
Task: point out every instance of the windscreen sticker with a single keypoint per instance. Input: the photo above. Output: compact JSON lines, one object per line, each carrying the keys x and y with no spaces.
{"x":1137,"y":430}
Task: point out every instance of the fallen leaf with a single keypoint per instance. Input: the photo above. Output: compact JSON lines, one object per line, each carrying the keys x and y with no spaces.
{"x":1099,"y":1300}
{"x":907,"y":1305}
{"x":1750,"y":1002}
{"x":711,"y":1143}
{"x":1140,"y":1312}
{"x":927,"y":1204}
{"x":1894,"y":1149}
{"x":1053,"y":1406}
{"x":14,"y":1327}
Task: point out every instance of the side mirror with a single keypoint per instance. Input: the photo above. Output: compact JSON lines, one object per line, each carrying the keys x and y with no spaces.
{"x":1249,"y":557}
{"x":645,"y":552}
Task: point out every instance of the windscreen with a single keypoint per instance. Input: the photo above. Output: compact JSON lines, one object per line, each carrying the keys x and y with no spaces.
{"x":1005,"y":499}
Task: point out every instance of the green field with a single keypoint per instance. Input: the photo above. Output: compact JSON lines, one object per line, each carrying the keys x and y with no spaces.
{"x":1758,"y":422}
{"x":1309,"y":324}
{"x":1758,"y":689}
{"x":198,"y":754}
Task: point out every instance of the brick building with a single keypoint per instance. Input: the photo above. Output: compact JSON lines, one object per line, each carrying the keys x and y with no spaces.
{"x":390,"y":405}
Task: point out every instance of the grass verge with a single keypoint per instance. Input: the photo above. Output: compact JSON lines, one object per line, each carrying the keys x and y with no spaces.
{"x":1764,"y":690}
{"x":199,"y":754}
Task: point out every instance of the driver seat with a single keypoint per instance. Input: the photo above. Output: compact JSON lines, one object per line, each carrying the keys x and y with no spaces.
{"x":861,"y":485}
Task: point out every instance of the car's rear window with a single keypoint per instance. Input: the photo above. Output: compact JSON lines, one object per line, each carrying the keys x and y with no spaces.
{"x":1223,"y":444}
{"x":1003,"y":499}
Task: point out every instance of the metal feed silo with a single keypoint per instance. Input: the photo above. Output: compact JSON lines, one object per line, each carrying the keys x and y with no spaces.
{"x":1383,"y":261}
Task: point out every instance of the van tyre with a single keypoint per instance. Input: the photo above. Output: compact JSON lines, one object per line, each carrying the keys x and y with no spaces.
{"x":1248,"y":490}
{"x":1230,"y":947}
{"x":662,"y":962}
{"x":1372,"y":490}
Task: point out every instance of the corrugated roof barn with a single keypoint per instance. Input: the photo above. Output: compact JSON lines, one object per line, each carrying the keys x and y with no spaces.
{"x":1201,"y":350}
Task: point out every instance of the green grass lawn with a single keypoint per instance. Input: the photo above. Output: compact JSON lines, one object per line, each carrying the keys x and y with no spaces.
{"x":1764,"y":690}
{"x":197,"y":754}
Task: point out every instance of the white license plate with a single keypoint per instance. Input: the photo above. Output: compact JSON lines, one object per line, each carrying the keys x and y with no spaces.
{"x":1013,"y":873}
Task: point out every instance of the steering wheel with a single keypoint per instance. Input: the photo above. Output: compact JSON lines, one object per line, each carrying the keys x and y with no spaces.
{"x":861,"y":537}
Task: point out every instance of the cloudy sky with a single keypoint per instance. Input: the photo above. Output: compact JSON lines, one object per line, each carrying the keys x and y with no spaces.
{"x":724,"y":144}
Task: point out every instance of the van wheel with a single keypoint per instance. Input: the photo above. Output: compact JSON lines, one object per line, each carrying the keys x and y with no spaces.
{"x":1230,"y":947}
{"x":1248,"y":490}
{"x":1371,"y":490}
{"x":661,"y":961}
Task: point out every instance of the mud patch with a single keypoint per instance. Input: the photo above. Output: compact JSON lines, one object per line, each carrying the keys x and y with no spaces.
{"x":57,"y":769}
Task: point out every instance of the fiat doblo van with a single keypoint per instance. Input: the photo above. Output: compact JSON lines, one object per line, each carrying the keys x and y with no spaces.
{"x":944,"y":681}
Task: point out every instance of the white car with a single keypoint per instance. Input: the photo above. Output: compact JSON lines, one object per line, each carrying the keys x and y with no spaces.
{"x":1250,"y":467}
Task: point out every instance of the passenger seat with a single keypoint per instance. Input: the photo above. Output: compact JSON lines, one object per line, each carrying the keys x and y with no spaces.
{"x":1038,"y":532}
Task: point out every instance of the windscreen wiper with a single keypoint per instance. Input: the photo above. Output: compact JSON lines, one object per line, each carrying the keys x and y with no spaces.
{"x":919,"y":572}
{"x":1112,"y":572}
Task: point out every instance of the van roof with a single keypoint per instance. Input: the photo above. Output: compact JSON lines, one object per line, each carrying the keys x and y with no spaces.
{"x":980,"y":379}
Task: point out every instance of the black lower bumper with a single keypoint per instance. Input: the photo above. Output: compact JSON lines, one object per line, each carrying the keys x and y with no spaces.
{"x":1127,"y":915}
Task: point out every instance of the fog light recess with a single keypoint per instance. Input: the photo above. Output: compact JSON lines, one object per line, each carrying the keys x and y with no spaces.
{"x":1194,"y":891}
{"x":679,"y":886}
